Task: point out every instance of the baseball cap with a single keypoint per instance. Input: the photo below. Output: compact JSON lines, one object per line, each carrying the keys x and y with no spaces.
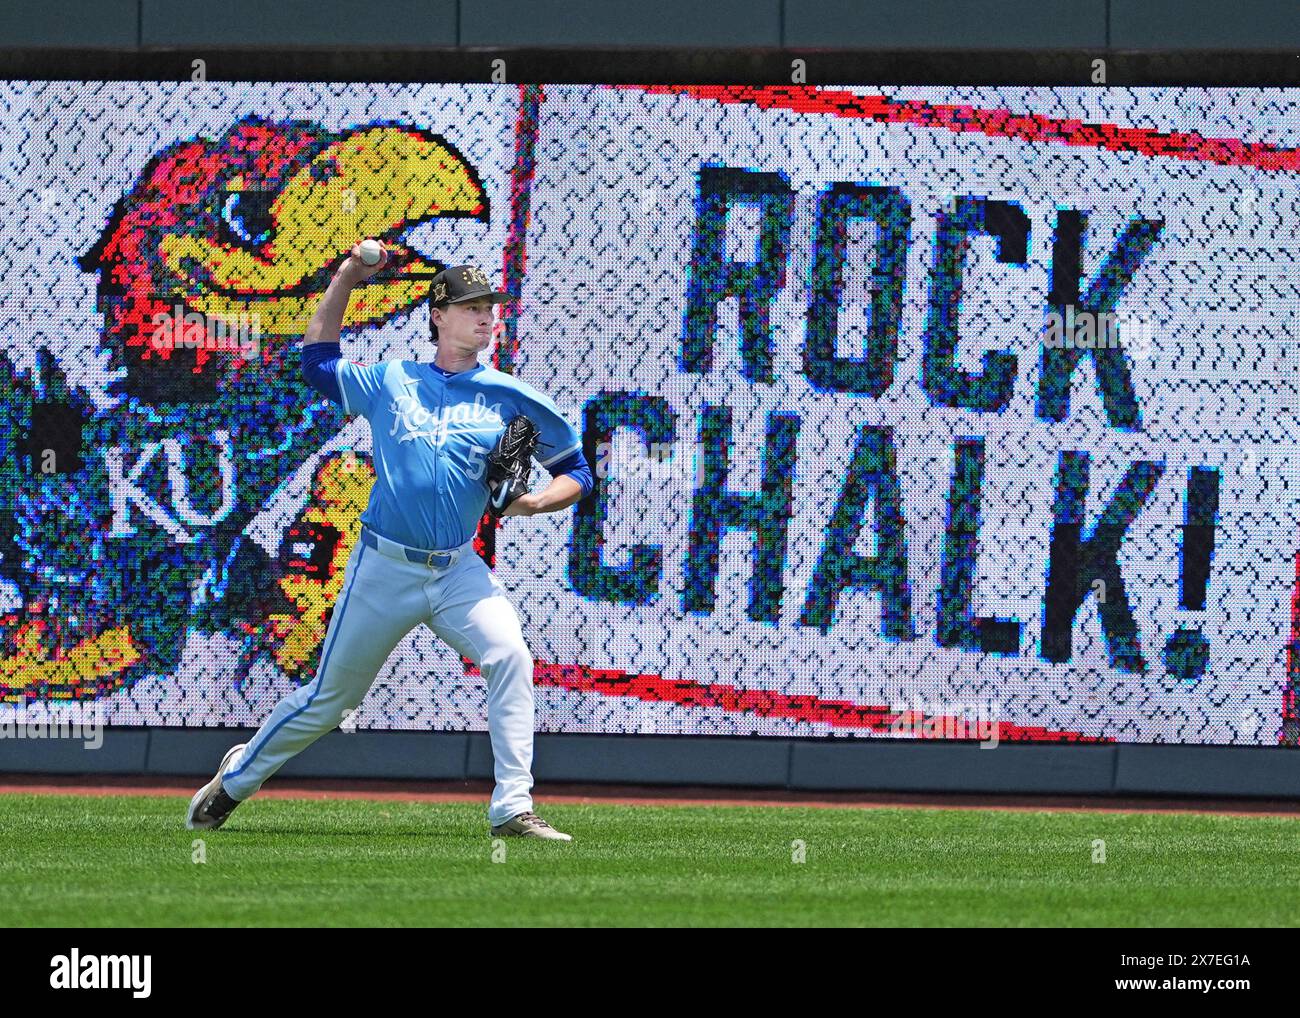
{"x":460,"y":283}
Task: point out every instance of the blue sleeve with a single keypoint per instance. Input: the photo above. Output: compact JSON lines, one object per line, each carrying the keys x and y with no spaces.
{"x":559,"y":439}
{"x":319,"y":369}
{"x":351,"y":385}
{"x":576,"y":466}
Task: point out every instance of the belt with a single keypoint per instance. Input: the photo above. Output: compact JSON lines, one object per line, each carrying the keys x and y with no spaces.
{"x":432,"y":559}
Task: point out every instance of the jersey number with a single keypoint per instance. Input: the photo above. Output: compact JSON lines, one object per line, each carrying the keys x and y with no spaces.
{"x":476,"y":461}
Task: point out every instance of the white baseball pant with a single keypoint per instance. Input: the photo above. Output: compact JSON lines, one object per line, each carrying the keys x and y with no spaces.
{"x":383,"y":598}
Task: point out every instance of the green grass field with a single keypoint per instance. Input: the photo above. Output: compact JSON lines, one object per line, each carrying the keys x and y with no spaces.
{"x":127,"y":861}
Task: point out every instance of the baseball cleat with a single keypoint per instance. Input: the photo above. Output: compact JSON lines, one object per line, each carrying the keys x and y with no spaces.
{"x":211,"y":805}
{"x":529,"y":825}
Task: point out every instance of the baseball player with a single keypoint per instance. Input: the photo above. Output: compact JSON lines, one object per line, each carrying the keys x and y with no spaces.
{"x":434,"y":427}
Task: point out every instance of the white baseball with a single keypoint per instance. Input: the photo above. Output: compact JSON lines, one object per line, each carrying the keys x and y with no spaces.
{"x":371,"y":252}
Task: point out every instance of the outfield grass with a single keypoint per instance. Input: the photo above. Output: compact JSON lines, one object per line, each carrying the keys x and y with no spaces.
{"x":126,"y":861}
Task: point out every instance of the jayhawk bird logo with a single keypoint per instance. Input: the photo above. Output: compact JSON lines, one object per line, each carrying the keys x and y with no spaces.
{"x":107,"y":560}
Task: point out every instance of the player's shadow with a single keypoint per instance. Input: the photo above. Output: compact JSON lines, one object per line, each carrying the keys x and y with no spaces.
{"x":425,"y":833}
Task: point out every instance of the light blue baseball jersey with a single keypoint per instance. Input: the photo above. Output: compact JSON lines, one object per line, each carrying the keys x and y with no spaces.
{"x":432,"y":433}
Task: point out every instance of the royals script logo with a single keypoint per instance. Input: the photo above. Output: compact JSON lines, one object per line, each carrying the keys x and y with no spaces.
{"x":412,"y":419}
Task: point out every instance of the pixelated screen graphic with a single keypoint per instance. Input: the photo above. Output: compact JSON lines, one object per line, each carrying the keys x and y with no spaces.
{"x":915,"y":412}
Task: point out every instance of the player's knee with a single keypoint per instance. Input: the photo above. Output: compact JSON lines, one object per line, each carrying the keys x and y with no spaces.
{"x":512,"y":656}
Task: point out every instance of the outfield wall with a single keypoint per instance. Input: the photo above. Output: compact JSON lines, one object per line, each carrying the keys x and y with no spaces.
{"x":794,"y":764}
{"x":919,"y":413}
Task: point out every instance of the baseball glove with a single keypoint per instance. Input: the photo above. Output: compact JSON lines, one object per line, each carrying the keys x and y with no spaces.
{"x":510,"y":463}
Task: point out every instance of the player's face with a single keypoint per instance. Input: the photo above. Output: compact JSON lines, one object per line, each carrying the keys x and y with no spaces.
{"x":466,"y":327}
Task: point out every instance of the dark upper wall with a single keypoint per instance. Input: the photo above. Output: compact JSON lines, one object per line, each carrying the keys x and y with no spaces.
{"x":874,"y":24}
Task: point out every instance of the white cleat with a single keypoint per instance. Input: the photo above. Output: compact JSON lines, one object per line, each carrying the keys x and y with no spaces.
{"x":529,"y":825}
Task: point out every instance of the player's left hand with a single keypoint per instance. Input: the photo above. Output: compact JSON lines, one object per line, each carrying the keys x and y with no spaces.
{"x":524,"y":505}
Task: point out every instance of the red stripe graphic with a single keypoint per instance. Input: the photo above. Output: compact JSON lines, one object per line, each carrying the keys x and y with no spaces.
{"x":515,"y":257}
{"x":1186,"y":145}
{"x":769,"y":704}
{"x":1291,"y":688}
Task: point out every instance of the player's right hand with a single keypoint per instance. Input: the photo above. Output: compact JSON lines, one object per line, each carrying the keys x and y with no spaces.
{"x":354,"y":270}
